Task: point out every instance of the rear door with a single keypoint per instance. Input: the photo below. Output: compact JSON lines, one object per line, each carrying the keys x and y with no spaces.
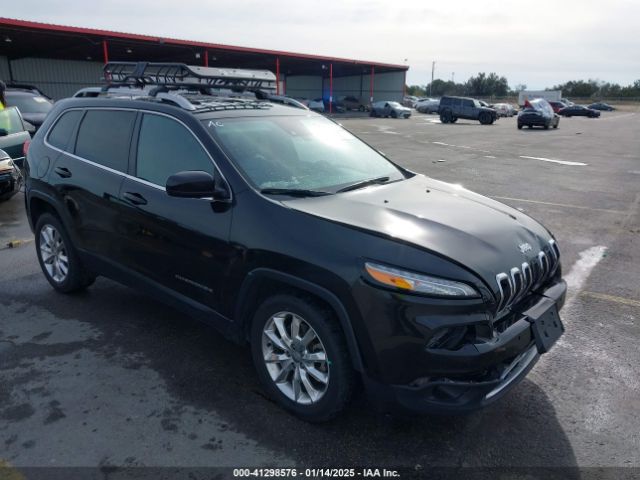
{"x":180,"y":243}
{"x":89,"y":171}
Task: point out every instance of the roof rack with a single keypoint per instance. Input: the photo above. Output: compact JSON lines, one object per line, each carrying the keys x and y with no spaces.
{"x":180,"y":75}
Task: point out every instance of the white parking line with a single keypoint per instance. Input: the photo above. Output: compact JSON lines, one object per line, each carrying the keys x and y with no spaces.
{"x":561,"y":162}
{"x":580,"y":271}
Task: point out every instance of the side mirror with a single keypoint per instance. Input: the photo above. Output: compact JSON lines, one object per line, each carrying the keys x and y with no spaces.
{"x":191,"y":184}
{"x":3,"y":132}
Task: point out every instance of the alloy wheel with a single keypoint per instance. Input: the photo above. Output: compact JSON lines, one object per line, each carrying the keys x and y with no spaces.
{"x":295,"y":358}
{"x":54,"y":254}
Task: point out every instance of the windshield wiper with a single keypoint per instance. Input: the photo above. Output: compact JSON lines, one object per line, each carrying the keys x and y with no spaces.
{"x":294,"y":192}
{"x":364,"y":183}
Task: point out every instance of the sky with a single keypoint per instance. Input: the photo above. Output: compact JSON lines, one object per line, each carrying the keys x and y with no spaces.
{"x":538,"y":43}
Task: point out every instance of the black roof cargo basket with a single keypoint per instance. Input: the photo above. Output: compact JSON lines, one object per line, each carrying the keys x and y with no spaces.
{"x":180,"y":75}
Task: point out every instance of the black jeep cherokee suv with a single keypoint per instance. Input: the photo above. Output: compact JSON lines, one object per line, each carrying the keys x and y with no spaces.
{"x":453,"y":108}
{"x":284,"y":231}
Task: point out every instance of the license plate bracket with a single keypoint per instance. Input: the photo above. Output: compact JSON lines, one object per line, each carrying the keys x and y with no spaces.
{"x":547,"y":328}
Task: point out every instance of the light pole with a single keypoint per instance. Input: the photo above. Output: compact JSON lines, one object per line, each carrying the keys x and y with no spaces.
{"x":433,"y":68}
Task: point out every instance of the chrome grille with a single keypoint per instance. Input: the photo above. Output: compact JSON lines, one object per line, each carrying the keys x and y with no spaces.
{"x":514,"y":285}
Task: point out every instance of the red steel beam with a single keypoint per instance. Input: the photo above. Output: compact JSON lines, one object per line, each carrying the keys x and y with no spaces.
{"x":206,"y":58}
{"x":105,"y":52}
{"x":277,"y":75}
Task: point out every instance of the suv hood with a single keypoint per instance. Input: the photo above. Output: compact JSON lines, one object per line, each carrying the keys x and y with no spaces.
{"x":479,"y":233}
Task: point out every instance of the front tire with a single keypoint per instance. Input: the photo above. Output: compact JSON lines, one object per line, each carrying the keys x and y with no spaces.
{"x":58,"y":258}
{"x":301,"y":357}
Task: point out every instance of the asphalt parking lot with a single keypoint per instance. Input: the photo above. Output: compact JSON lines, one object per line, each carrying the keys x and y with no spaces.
{"x":112,"y":378}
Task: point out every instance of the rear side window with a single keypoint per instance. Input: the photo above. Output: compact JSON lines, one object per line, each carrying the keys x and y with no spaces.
{"x":104,"y":137}
{"x":10,"y":121}
{"x":166,"y":147}
{"x":63,"y":129}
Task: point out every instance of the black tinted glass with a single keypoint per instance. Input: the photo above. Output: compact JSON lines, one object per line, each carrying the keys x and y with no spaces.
{"x":63,"y":129}
{"x":166,"y":147}
{"x":104,"y":137}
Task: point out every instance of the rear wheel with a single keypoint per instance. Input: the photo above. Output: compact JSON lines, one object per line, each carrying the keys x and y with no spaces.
{"x":58,"y":258}
{"x":484,"y":118}
{"x":394,"y":114}
{"x":445,"y":117}
{"x":301,"y":357}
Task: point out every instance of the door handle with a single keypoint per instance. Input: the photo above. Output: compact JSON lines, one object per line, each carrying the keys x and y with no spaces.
{"x":135,"y":198}
{"x":62,"y":172}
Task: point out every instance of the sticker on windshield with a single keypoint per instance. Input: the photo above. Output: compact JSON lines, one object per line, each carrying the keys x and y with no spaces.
{"x":215,"y":123}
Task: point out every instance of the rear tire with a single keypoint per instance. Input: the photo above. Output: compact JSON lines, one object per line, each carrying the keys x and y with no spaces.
{"x":484,"y":118}
{"x":445,"y":117}
{"x":58,"y":258}
{"x":394,"y":114}
{"x":321,"y":368}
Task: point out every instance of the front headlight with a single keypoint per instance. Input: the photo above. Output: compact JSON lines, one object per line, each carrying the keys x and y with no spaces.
{"x":417,"y":283}
{"x":6,"y":164}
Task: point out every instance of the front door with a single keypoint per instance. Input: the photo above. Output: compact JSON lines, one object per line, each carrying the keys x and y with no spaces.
{"x":180,"y":243}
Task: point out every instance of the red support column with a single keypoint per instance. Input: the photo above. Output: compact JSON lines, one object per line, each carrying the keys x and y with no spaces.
{"x":277,"y":75}
{"x":105,"y":51}
{"x":206,"y":58}
{"x":371,"y":84}
{"x":330,"y":88}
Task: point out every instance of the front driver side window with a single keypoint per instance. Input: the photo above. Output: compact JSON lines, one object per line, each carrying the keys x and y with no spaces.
{"x":166,"y":147}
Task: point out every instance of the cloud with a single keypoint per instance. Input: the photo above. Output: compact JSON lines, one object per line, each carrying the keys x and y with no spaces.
{"x":539,"y":44}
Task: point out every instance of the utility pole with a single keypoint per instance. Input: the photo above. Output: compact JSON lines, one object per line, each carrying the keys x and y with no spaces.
{"x":433,"y":68}
{"x":453,"y":76}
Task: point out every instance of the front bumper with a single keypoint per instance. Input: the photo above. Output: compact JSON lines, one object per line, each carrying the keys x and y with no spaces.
{"x":477,"y":374}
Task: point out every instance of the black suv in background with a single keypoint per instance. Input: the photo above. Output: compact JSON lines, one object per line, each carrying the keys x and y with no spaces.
{"x":453,"y":108}
{"x":286,"y":232}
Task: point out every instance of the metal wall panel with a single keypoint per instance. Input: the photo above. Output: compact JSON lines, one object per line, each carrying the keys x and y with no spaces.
{"x":387,"y":86}
{"x":4,"y":69}
{"x":304,"y":86}
{"x":57,"y":78}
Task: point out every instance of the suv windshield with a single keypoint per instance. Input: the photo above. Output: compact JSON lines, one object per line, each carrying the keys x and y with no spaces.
{"x":298,"y":152}
{"x":29,"y":103}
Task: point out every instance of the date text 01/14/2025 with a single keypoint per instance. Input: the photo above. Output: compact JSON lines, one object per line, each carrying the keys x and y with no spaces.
{"x":315,"y":473}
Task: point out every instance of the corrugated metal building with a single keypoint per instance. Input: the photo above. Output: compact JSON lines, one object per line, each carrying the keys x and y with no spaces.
{"x":60,"y":60}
